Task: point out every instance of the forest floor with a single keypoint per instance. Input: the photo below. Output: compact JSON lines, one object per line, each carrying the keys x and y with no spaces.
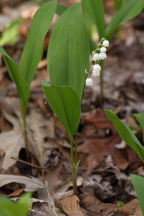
{"x":106,"y":162}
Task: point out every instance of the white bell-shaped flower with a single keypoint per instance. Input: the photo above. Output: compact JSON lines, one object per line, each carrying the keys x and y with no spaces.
{"x":106,"y":43}
{"x":103,"y":49}
{"x":96,"y":57}
{"x":102,"y":56}
{"x":89,"y":82}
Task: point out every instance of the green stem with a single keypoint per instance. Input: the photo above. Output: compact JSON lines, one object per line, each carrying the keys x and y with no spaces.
{"x":76,"y":136}
{"x":24,"y":126}
{"x":74,"y":172}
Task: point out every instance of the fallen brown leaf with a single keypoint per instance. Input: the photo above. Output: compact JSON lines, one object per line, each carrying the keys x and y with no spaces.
{"x":104,"y":142}
{"x":71,"y":207}
{"x":97,"y":208}
{"x":31,"y":184}
{"x":16,"y":193}
{"x":39,"y":131}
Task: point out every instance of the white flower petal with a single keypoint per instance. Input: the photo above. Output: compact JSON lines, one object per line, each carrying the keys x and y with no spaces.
{"x":89,"y":82}
{"x":106,"y":43}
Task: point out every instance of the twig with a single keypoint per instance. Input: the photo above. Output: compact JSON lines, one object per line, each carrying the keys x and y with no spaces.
{"x":27,"y":163}
{"x":51,"y":203}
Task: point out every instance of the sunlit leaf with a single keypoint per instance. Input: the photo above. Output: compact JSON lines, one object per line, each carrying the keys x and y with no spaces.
{"x":10,"y":33}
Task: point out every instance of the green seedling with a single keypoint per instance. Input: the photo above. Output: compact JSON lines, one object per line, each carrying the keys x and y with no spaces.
{"x":126,"y":10}
{"x":68,"y":58}
{"x":127,"y":135}
{"x":23,"y":74}
{"x":10,"y":208}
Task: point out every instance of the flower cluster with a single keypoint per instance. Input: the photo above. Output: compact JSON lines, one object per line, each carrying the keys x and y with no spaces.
{"x":98,"y":55}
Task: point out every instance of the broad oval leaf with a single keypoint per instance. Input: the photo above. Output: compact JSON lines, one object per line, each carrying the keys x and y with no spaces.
{"x":138,"y":183}
{"x":95,"y":10}
{"x":17,"y":77}
{"x":68,"y":53}
{"x":126,"y":134}
{"x":66,"y":104}
{"x":34,"y":45}
{"x":129,"y":10}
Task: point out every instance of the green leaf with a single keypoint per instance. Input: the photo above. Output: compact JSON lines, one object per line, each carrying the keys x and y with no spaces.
{"x":65,"y":103}
{"x":126,"y":134}
{"x":60,"y":9}
{"x":129,"y":10}
{"x":140,"y":118}
{"x":17,"y":77}
{"x":118,"y":3}
{"x":95,"y":10}
{"x":9,"y":208}
{"x":138,"y":183}
{"x":68,"y":53}
{"x":10,"y":33}
{"x":34,"y":45}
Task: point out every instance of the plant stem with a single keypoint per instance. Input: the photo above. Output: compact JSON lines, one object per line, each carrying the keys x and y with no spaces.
{"x":76,"y":136}
{"x":74,"y":171}
{"x":101,"y":82}
{"x":25,"y":133}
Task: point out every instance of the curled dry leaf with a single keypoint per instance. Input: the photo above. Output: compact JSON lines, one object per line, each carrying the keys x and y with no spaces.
{"x":31,"y":184}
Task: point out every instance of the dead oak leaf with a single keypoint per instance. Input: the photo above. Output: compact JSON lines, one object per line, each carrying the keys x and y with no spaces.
{"x":70,"y":206}
{"x":39,"y":130}
{"x":11,"y":142}
{"x":31,"y":184}
{"x":98,"y":148}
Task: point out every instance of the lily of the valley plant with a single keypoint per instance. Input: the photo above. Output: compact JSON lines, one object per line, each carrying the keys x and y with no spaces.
{"x":23,"y":74}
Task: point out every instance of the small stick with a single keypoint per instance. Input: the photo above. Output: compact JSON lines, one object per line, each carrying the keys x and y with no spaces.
{"x":51,"y":204}
{"x":27,"y":163}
